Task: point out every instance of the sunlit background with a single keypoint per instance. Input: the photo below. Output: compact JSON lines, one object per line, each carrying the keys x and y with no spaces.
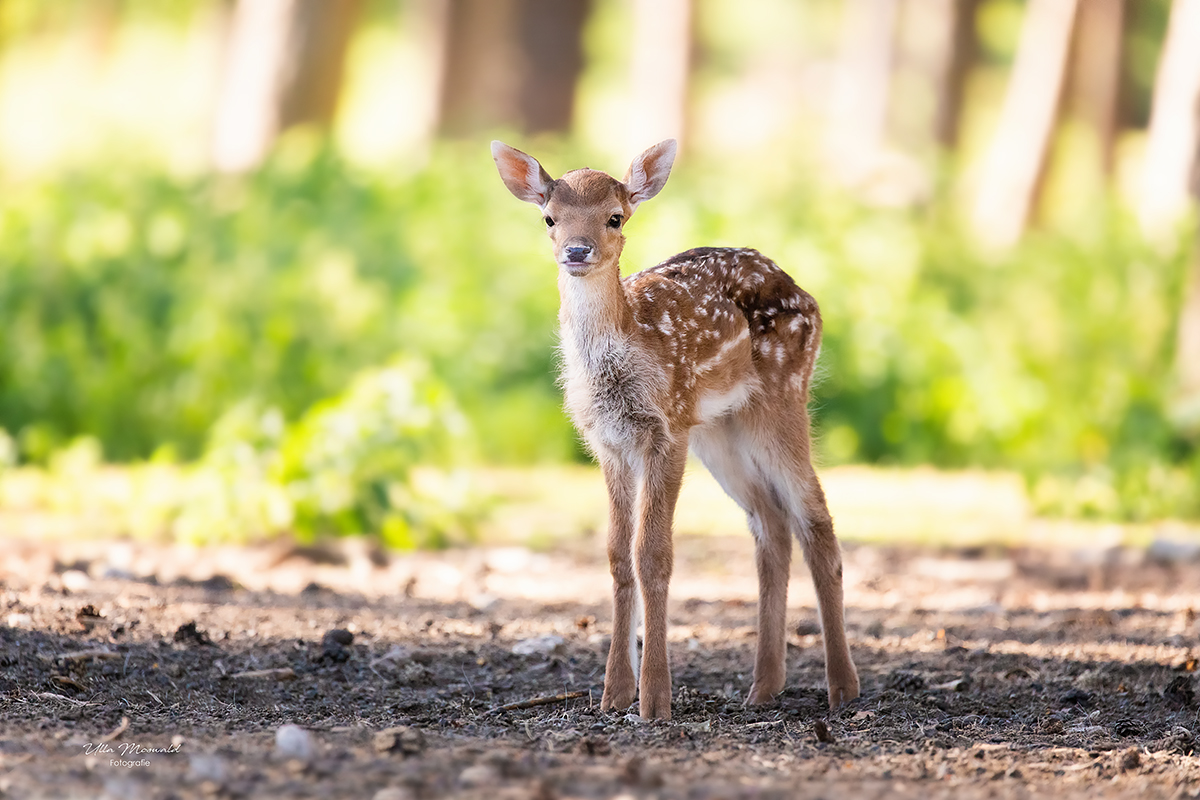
{"x":258,"y":275}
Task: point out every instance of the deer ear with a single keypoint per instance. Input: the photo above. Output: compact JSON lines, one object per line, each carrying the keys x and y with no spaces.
{"x":522,"y":174}
{"x":648,"y":173}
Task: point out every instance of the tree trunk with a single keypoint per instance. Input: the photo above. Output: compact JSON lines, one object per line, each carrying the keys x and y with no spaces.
{"x":102,"y":19}
{"x":1171,"y":184}
{"x":1171,"y":147}
{"x":1015,"y":163}
{"x":1187,"y":353}
{"x":859,"y":107}
{"x":429,"y":26}
{"x":552,"y":41}
{"x":511,"y":62}
{"x":283,"y":66}
{"x":660,"y":71}
{"x":315,"y":60}
{"x":955,"y":54}
{"x":1097,"y":70}
{"x":479,"y":77}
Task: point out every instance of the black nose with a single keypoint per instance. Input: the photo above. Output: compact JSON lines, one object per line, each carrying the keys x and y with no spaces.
{"x":578,"y":254}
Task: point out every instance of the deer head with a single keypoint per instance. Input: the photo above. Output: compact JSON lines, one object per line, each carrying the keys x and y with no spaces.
{"x":585,"y":210}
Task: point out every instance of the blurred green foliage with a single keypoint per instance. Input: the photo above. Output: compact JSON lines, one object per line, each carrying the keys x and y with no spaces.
{"x":210,"y":318}
{"x":373,"y":459}
{"x":139,"y":308}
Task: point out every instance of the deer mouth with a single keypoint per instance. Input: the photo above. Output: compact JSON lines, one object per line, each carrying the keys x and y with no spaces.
{"x":577,"y":269}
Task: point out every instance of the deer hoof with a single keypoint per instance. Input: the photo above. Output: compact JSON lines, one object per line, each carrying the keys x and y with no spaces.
{"x":617,"y":698}
{"x":656,"y":709}
{"x":761,"y":695}
{"x":840,"y":695}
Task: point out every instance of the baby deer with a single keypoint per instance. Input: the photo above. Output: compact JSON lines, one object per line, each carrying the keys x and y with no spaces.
{"x":714,"y":349}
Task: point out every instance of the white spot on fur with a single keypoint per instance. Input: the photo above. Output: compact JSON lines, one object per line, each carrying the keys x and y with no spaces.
{"x":712,"y":405}
{"x":724,"y":351}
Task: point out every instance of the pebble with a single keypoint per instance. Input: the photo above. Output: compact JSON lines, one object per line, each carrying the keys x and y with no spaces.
{"x":1131,"y":759}
{"x":483,"y":601}
{"x":339,"y":636}
{"x":539,"y":645}
{"x":639,"y":772}
{"x":74,"y":580}
{"x":478,"y":775}
{"x":207,"y":767}
{"x":334,"y":644}
{"x":409,"y":741}
{"x":19,"y":620}
{"x":293,"y":742}
{"x":394,"y":793}
{"x":1170,"y":551}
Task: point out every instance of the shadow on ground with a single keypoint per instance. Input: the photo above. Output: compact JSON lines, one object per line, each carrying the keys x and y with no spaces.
{"x":979,"y":680}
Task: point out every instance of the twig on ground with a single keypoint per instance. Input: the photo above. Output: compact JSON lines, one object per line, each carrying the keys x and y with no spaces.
{"x":536,"y":701}
{"x":67,"y":680}
{"x":63,"y":697}
{"x":81,"y":655}
{"x":280,"y":674}
{"x":117,"y":731}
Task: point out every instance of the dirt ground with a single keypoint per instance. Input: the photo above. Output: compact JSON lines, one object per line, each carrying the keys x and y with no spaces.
{"x":134,"y":671}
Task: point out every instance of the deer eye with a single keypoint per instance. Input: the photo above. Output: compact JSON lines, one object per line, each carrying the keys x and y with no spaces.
{"x":549,"y":222}
{"x":614,"y":221}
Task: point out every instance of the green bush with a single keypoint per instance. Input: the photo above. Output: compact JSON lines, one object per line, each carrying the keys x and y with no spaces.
{"x":374,"y":460}
{"x":139,"y":308}
{"x":157,"y":314}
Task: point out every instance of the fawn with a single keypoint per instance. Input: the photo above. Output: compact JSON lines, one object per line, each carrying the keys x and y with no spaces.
{"x":714,"y":349}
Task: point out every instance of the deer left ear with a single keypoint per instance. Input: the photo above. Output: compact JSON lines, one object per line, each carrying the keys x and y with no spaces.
{"x":522,"y":174}
{"x":648,"y":173}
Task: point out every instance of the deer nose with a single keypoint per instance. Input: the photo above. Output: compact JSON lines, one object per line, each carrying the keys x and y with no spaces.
{"x":578,"y":254}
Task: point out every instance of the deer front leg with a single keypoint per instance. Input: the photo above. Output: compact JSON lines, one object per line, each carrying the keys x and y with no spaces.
{"x":620,"y":686}
{"x":661,"y":477}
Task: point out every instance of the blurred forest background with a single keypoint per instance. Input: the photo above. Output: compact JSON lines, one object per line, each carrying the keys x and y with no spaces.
{"x":258,"y":273}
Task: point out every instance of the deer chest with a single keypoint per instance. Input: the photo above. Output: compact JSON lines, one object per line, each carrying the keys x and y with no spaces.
{"x":613,"y":395}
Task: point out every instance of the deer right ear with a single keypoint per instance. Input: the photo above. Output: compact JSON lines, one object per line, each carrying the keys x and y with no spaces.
{"x":522,"y":174}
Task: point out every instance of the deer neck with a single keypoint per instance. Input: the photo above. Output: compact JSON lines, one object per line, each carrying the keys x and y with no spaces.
{"x":595,"y":315}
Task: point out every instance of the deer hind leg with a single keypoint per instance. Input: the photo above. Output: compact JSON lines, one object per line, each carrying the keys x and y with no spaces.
{"x":725,"y":450}
{"x":658,"y":491}
{"x":782,"y":441}
{"x":815,"y":531}
{"x":620,"y":685}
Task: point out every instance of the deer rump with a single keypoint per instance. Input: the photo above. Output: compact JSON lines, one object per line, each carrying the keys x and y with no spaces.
{"x":783,"y":320}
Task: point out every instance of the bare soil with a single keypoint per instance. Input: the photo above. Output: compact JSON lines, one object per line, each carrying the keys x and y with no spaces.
{"x":986,"y":673}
